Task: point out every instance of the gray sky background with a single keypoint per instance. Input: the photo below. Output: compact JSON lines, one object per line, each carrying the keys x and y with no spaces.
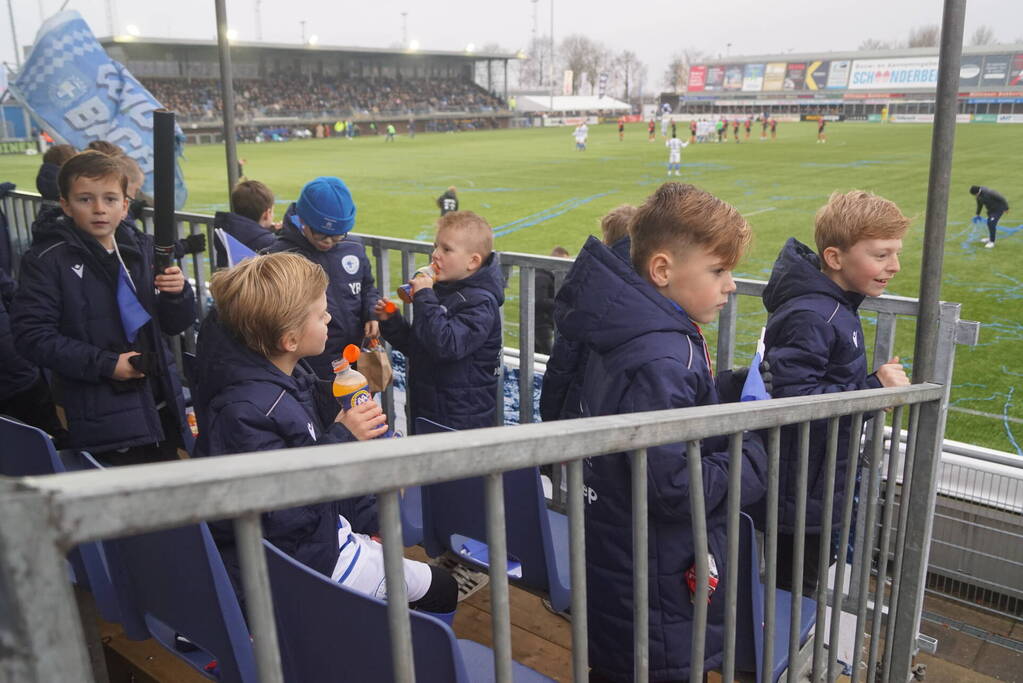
{"x":653,"y":29}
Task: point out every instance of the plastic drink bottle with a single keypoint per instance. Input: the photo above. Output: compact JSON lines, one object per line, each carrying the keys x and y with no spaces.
{"x":405,"y":291}
{"x":350,"y":386}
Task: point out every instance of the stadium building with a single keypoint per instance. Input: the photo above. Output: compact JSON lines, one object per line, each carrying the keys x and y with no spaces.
{"x":893,"y":85}
{"x":295,"y":87}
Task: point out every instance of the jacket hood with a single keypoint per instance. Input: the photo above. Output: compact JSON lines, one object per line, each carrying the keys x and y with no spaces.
{"x":46,"y":181}
{"x":604,"y":303}
{"x":222,"y":362}
{"x":241,"y":227}
{"x":797,"y":272}
{"x":489,"y":277}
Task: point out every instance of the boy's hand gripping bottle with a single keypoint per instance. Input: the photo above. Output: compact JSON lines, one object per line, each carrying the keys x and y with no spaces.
{"x":350,"y":386}
{"x":405,"y":291}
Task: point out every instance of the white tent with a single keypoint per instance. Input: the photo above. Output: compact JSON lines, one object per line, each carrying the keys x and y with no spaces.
{"x":581,"y":103}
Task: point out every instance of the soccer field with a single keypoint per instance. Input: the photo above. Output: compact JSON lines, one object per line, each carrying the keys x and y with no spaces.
{"x":538,"y":192}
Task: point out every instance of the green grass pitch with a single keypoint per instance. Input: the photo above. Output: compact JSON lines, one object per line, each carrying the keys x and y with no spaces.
{"x":552,"y":195}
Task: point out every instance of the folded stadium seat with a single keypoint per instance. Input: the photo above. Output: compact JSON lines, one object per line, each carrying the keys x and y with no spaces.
{"x":454,"y":518}
{"x":750,"y":612}
{"x":174,"y":582}
{"x":412,"y":516}
{"x":28,"y":451}
{"x":344,"y":634}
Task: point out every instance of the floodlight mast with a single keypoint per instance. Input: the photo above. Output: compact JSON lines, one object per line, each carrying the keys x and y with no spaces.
{"x":14,"y":36}
{"x":227,"y":96}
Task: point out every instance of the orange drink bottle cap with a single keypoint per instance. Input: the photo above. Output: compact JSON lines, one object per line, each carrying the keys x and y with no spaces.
{"x":389,"y":306}
{"x":351,"y":353}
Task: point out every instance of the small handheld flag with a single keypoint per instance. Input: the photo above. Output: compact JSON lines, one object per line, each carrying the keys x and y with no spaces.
{"x":753,"y":388}
{"x":133,"y":316}
{"x":235,"y":251}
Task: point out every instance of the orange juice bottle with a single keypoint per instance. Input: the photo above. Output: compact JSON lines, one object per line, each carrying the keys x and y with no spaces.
{"x":405,"y":291}
{"x":350,"y":386}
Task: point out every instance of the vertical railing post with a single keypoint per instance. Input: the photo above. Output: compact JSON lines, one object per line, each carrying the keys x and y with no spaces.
{"x":824,"y":550}
{"x":771,"y":551}
{"x":527,"y":335}
{"x":41,"y":634}
{"x":258,"y":599}
{"x":698,"y":515}
{"x":798,"y":550}
{"x":732,"y":563}
{"x":640,"y":569}
{"x":577,"y":566}
{"x":383,"y":263}
{"x":726,"y":333}
{"x":399,"y":624}
{"x":500,"y":609}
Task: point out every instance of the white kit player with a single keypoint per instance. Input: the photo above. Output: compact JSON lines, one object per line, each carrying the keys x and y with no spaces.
{"x":675,"y":147}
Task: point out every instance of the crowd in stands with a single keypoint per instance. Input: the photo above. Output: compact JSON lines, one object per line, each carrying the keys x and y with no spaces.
{"x":298,"y":95}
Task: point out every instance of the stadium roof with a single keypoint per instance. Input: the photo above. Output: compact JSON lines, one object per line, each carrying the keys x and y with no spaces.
{"x":296,"y":47}
{"x":569,"y":103}
{"x":1014,"y":48}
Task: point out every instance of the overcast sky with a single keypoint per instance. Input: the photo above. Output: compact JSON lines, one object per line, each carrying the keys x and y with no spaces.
{"x":653,"y":29}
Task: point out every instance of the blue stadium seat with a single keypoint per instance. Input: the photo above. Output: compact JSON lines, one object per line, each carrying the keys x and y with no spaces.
{"x":29,"y":451}
{"x":454,"y":518}
{"x":344,"y":634}
{"x":174,"y":582}
{"x":750,"y":613}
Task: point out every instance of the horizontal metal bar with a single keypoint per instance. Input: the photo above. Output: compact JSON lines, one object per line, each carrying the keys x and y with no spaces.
{"x":94,"y":505}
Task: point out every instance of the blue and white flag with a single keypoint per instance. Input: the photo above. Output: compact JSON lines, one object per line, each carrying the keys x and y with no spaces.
{"x":234,"y":250}
{"x":753,"y":388}
{"x":133,"y":316}
{"x":76,"y":92}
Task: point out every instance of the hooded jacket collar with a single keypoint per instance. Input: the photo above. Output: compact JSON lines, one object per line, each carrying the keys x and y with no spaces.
{"x":796,"y":273}
{"x":489,"y":277}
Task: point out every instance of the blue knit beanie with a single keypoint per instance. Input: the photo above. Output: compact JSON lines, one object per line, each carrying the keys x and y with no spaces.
{"x":326,"y":206}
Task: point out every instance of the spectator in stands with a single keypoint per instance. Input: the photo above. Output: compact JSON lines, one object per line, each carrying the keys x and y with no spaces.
{"x":543,"y":281}
{"x":563,"y":379}
{"x":453,"y":345}
{"x":640,"y":321}
{"x":46,"y":178}
{"x":24,"y":393}
{"x":814,"y":344}
{"x":448,"y":201}
{"x":256,"y":393}
{"x":317,"y":227}
{"x":251,"y":222}
{"x":91,"y":309}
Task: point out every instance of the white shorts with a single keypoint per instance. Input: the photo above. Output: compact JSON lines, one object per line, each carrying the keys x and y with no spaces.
{"x":674,"y":158}
{"x":360,"y":566}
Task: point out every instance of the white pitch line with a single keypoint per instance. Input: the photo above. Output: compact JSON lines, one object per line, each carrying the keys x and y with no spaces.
{"x":754,"y":213}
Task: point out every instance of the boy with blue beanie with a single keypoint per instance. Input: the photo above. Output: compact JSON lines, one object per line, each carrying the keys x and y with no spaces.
{"x":317,"y":227}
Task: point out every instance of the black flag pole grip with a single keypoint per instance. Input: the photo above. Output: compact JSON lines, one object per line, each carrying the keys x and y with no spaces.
{"x":164,"y":230}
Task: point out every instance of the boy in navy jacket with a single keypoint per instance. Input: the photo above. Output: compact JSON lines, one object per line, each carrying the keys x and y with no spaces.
{"x":454,"y":342}
{"x":640,"y":321}
{"x":73,"y":314}
{"x":317,"y":227}
{"x":255,"y":393}
{"x":250,"y":221}
{"x":814,"y":344}
{"x":563,"y":379}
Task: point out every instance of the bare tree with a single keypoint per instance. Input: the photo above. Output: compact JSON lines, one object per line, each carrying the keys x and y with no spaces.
{"x":983,"y":35}
{"x":676,"y":76}
{"x":628,"y":69}
{"x":535,"y":67}
{"x":580,"y":55}
{"x":871,"y":44}
{"x":924,"y":36}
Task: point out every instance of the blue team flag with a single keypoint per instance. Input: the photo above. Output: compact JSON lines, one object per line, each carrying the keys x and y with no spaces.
{"x":235,"y":250}
{"x":74,"y":90}
{"x":133,"y":316}
{"x":753,"y":388}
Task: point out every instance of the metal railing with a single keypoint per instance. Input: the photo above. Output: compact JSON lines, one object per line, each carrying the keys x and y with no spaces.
{"x":46,"y":516}
{"x":396,"y":258}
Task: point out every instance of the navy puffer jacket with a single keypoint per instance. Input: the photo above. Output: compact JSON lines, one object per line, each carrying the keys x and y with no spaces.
{"x":814,"y":343}
{"x":17,"y":374}
{"x":351,"y":294}
{"x":244,"y":403}
{"x":244,"y":229}
{"x":646,"y":354}
{"x":563,"y":379}
{"x":65,"y":317}
{"x":454,"y":348}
